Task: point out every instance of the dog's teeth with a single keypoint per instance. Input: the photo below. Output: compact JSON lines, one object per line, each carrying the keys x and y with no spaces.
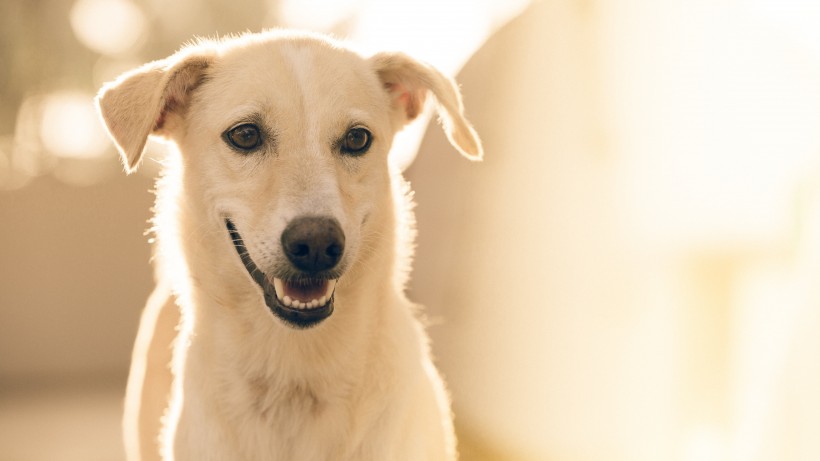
{"x":279,"y":285}
{"x":280,"y":288}
{"x":331,"y":285}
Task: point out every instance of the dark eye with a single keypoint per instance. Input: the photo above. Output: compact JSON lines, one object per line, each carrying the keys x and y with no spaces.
{"x":245,"y":137}
{"x":356,"y":141}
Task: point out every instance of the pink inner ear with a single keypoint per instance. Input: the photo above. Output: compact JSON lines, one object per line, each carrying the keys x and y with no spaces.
{"x":409,"y":100}
{"x":170,"y":104}
{"x":160,"y":121}
{"x":177,"y":91}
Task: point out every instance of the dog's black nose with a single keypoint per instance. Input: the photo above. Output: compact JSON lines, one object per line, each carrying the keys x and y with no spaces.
{"x":313,"y":244}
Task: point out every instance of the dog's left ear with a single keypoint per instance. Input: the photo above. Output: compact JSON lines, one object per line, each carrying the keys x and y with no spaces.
{"x":408,"y":82}
{"x":146,"y":100}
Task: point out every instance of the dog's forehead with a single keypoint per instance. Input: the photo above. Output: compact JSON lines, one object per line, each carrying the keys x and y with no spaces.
{"x":293,"y":75}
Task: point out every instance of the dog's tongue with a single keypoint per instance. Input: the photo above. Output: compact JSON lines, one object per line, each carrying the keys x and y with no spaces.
{"x":307,"y":291}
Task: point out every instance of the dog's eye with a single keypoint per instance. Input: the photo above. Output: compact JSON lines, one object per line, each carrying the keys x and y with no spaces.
{"x":356,"y":141}
{"x":245,"y":137}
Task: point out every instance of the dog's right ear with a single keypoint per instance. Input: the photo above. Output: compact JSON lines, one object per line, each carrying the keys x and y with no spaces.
{"x":146,"y":101}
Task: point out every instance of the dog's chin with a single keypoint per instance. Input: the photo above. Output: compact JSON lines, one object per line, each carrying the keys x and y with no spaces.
{"x":300,"y":302}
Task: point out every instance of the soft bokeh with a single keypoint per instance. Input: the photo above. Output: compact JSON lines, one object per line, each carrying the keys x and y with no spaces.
{"x":633,"y":273}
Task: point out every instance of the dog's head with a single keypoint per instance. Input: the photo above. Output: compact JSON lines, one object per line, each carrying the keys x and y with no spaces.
{"x":284,"y":141}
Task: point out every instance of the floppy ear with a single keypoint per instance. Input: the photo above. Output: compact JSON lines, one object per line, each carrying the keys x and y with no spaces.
{"x":408,"y":81}
{"x":142,"y":101}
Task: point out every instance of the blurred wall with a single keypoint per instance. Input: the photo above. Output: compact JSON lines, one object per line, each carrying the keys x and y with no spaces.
{"x":631,"y":274}
{"x":524,"y":262}
{"x":74,"y":276}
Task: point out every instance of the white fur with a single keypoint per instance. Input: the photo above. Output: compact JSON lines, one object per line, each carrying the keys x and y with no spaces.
{"x":360,"y":385}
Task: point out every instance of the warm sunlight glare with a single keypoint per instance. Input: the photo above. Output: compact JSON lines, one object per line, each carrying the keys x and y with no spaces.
{"x":443,"y":33}
{"x":798,"y":19}
{"x":107,"y":26}
{"x":70,"y":126}
{"x":706,"y":444}
{"x":316,"y":14}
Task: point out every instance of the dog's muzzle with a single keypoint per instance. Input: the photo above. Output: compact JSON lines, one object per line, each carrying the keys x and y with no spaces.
{"x":314,"y":247}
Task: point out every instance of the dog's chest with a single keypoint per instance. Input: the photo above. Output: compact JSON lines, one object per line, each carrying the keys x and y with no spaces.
{"x":294,"y":421}
{"x":288,"y":403}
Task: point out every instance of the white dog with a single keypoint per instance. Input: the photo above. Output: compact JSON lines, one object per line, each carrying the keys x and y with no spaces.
{"x":284,"y":236}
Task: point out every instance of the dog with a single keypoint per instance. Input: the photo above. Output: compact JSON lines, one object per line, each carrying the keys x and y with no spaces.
{"x":283,"y":240}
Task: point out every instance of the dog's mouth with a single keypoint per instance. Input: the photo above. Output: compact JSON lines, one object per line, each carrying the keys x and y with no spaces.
{"x":300,"y":302}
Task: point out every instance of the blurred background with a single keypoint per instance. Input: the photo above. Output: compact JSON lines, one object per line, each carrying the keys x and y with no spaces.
{"x":633,"y":273}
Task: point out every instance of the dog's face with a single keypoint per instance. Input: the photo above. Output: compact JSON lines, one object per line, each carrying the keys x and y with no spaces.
{"x":292,"y":164}
{"x":284,"y":142}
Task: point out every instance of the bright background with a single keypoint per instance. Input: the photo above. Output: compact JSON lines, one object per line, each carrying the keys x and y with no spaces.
{"x":632,"y":274}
